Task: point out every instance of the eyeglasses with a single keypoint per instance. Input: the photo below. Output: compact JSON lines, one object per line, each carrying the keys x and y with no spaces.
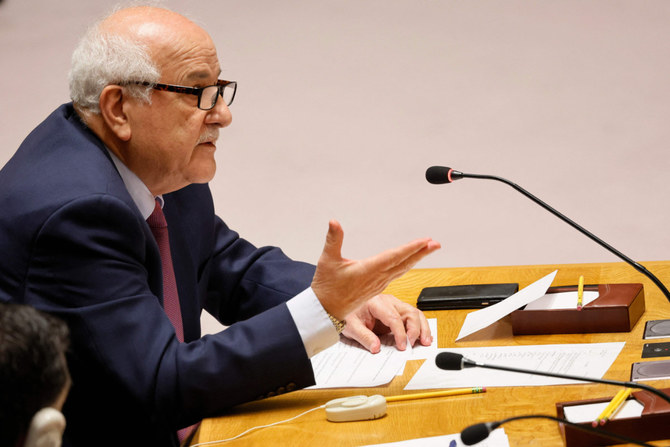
{"x":207,"y":96}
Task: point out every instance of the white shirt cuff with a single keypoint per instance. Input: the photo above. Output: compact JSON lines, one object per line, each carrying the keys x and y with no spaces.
{"x":316,"y":330}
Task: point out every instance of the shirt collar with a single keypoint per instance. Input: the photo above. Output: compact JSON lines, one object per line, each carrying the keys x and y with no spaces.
{"x":145,"y":201}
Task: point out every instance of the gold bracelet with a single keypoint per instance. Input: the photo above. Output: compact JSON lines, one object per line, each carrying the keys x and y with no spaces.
{"x":339,"y":325}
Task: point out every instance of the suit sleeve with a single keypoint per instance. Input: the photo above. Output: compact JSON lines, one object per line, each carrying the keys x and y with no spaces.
{"x":247,"y":280}
{"x":125,"y":352}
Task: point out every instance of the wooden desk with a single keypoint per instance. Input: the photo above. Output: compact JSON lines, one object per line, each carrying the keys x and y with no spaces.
{"x":440,"y":416}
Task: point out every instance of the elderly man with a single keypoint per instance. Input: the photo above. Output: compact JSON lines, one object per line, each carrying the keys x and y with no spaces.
{"x":87,"y":202}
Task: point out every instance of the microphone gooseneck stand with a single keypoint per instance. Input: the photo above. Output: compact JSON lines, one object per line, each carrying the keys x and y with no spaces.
{"x":451,"y":175}
{"x":451,"y":361}
{"x":641,"y":386}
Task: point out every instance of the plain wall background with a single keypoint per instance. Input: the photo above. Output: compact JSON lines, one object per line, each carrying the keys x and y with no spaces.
{"x":342,"y":105}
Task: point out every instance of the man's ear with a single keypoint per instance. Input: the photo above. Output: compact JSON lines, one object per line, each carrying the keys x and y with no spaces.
{"x":113,"y":113}
{"x":46,"y":429}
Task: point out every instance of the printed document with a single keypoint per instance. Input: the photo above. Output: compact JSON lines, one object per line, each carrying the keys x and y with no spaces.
{"x":348,"y":364}
{"x":582,"y":359}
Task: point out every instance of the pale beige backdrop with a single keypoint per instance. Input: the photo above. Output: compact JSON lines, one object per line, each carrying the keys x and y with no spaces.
{"x":342,"y":105}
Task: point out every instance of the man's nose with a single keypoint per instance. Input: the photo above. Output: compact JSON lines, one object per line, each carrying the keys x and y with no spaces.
{"x":219,"y":114}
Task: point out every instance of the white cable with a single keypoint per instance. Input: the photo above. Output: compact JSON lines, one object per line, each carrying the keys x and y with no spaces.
{"x":256,"y":428}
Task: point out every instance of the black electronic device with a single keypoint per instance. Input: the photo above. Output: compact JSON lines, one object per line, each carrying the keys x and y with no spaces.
{"x":473,"y":296}
{"x":661,"y":349}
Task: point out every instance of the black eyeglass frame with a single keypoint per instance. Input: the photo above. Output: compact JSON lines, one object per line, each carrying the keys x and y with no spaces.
{"x":197,"y":91}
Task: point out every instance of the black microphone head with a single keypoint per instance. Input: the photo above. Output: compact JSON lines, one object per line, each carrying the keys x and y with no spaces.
{"x":478,"y":432}
{"x":449,"y":361}
{"x":438,"y":175}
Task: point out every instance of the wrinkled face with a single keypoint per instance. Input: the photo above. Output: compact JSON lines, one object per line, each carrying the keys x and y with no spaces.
{"x":172,"y":141}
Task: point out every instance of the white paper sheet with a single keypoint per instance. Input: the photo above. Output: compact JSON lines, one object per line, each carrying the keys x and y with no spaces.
{"x":475,"y":321}
{"x":562,"y":300}
{"x":497,"y":438}
{"x":584,"y":359}
{"x":348,"y":364}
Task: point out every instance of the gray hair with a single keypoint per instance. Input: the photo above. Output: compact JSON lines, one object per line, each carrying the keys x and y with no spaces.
{"x":101,"y":59}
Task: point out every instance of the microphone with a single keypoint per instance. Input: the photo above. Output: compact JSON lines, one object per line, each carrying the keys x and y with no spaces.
{"x":438,"y":175}
{"x":478,"y":432}
{"x":441,"y":174}
{"x":452,"y":361}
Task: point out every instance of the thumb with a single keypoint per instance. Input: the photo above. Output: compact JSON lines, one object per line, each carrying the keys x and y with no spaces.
{"x":334,"y":240}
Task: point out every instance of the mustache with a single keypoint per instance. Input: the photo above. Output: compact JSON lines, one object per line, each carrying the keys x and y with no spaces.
{"x":211,"y":134}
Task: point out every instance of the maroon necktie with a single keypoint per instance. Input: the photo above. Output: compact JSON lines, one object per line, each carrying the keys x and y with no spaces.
{"x":159,"y":228}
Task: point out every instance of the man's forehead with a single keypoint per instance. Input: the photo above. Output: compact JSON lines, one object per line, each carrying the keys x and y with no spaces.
{"x":201,"y":75}
{"x":186,"y":60}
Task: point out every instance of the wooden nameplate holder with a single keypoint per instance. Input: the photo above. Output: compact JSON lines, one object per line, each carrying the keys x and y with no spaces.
{"x":652,"y":425}
{"x":617,"y":309}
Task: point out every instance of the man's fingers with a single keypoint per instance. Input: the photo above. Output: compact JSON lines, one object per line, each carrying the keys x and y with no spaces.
{"x":426,"y":338}
{"x":406,"y":322}
{"x":409,"y":262}
{"x":404,"y":257}
{"x":385,"y":311}
{"x":412,"y":327}
{"x":417,"y":327}
{"x":383,"y":314}
{"x":356,"y":330}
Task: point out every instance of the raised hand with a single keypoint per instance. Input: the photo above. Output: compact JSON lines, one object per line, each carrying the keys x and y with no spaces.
{"x":343,"y":285}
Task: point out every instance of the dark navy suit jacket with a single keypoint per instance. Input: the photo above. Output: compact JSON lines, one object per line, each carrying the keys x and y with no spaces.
{"x":73,"y":243}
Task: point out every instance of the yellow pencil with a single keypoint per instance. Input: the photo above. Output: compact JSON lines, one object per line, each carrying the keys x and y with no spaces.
{"x":607,"y":412}
{"x":454,"y":392}
{"x":580,"y":292}
{"x":617,"y":405}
